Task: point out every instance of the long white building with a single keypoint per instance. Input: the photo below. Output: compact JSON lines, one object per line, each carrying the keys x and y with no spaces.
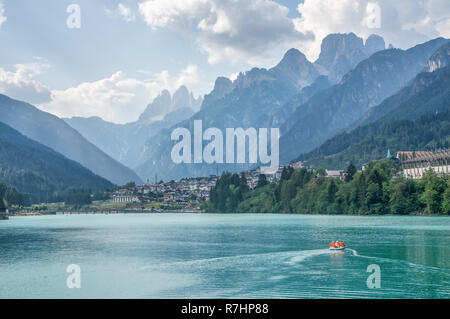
{"x":416,"y":164}
{"x":126,"y":199}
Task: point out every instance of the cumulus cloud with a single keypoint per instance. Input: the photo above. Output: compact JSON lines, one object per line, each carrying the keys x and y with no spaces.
{"x":403,"y":23}
{"x":20,"y":83}
{"x":123,"y":12}
{"x":233,"y":30}
{"x":119,"y":98}
{"x":2,"y":14}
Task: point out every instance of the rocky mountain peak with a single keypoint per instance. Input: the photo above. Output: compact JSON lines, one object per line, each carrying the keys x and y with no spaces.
{"x":374,"y":43}
{"x":181,"y":98}
{"x":164,"y":103}
{"x":335,"y":45}
{"x":340,"y":53}
{"x":295,"y":68}
{"x":293,"y":57}
{"x":222,"y":86}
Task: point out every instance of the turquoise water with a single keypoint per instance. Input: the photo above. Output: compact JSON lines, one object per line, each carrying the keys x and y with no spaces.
{"x":224,"y":256}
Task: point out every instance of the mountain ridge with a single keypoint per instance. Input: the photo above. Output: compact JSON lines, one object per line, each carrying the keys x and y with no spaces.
{"x":56,"y":134}
{"x":40,"y":173}
{"x":412,"y":119}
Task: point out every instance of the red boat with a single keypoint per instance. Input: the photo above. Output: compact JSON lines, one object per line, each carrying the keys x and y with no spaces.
{"x":337,"y":245}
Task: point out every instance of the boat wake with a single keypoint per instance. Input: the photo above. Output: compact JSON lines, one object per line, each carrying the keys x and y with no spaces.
{"x":288,"y":258}
{"x":305,"y":254}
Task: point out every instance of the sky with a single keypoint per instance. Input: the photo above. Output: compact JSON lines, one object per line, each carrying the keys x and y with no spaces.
{"x":111,"y":58}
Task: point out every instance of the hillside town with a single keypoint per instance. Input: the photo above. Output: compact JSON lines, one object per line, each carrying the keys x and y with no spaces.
{"x":190,"y":192}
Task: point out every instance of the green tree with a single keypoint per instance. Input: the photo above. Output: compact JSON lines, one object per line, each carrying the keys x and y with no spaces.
{"x":434,"y":188}
{"x":351,"y":171}
{"x":321,"y":172}
{"x":287,"y":191}
{"x":78,"y":197}
{"x":129,"y":185}
{"x":446,"y":198}
{"x":287,"y":173}
{"x":398,"y":197}
{"x":262,"y":181}
{"x":2,"y":205}
{"x":377,"y":189}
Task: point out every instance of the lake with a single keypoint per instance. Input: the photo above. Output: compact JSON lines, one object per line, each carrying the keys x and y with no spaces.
{"x":224,"y":256}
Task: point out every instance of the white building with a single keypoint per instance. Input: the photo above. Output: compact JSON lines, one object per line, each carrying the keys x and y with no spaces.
{"x":126,"y":199}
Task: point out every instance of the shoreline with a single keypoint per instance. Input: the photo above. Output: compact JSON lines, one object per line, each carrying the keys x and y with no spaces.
{"x":187,"y":212}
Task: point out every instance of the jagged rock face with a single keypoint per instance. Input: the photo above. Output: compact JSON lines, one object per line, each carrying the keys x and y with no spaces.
{"x":294,"y":71}
{"x":165,"y":104}
{"x":255,"y":75}
{"x":440,"y":59}
{"x":157,"y":107}
{"x":335,"y":45}
{"x":222,"y":87}
{"x":340,"y":53}
{"x":182,"y":98}
{"x":295,"y":68}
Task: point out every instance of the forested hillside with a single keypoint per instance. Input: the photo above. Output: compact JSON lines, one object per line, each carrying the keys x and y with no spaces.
{"x":38,"y":172}
{"x":9,"y":196}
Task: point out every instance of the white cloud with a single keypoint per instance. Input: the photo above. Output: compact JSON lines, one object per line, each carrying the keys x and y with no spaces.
{"x":2,"y":14}
{"x":119,"y":98}
{"x":123,"y":12}
{"x":249,"y":30}
{"x":21,"y":83}
{"x":178,"y":13}
{"x":188,"y":76}
{"x":403,"y":23}
{"x":233,"y":30}
{"x":126,"y":13}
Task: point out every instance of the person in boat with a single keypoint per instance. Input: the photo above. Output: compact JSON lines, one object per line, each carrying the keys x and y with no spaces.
{"x":333,"y":244}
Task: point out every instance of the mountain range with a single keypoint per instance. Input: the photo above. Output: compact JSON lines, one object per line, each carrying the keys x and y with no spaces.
{"x":307,"y":115}
{"x":332,"y":110}
{"x":256,"y":98}
{"x":354,"y":91}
